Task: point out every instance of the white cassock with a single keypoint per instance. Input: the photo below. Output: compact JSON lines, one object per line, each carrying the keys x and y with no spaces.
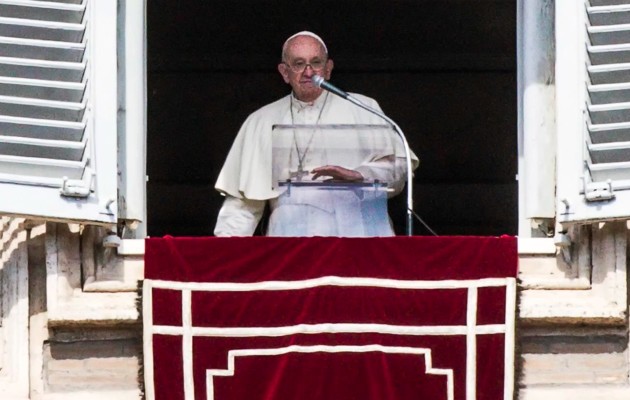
{"x":247,"y":177}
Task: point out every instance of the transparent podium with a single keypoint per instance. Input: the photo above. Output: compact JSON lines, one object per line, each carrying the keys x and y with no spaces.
{"x":311,"y":205}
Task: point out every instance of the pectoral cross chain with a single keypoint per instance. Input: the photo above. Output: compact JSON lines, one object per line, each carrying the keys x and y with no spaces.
{"x":299,"y":174}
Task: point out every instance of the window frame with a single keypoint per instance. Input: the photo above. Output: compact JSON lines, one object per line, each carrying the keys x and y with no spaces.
{"x":100,"y":204}
{"x":571,"y":118}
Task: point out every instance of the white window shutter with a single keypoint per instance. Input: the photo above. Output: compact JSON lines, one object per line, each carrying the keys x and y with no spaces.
{"x":58,"y":109}
{"x":600,"y":188}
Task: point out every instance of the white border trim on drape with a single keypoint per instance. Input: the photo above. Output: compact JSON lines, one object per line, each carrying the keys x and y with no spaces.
{"x":232,"y":354}
{"x":470,"y":330}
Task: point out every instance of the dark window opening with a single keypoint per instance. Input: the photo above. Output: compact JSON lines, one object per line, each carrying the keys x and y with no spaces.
{"x":444,"y":70}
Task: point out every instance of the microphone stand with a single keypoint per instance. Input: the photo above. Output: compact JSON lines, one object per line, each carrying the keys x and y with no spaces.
{"x":324,"y":84}
{"x":400,"y":133}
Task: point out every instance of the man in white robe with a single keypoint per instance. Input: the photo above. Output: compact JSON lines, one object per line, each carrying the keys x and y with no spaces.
{"x":246,"y":177}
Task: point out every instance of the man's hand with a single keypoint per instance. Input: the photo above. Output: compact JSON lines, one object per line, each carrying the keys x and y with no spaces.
{"x":337,"y":173}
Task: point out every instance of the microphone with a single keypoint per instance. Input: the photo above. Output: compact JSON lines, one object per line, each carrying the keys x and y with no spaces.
{"x":319,"y":81}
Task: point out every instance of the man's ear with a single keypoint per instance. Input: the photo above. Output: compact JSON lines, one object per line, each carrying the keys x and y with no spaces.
{"x":284,"y":71}
{"x":329,"y":67}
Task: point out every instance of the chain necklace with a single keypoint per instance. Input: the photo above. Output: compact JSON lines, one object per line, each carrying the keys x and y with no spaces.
{"x":300,"y":173}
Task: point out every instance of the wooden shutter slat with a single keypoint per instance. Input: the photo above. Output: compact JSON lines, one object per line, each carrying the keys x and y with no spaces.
{"x":57,"y":142}
{"x":41,"y":49}
{"x":43,"y":84}
{"x":42,"y":10}
{"x":42,"y":168}
{"x":41,"y":89}
{"x":41,"y":30}
{"x":607,"y":123}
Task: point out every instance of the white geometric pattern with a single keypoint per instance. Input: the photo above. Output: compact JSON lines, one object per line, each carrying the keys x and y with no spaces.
{"x":470,"y":330}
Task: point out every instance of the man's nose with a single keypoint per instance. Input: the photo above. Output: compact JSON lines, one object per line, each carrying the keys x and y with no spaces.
{"x":309,"y":71}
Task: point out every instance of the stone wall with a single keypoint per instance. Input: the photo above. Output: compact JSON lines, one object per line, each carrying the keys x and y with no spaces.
{"x":573,"y":355}
{"x":70,"y":325}
{"x":92,"y":359}
{"x":573,"y":328}
{"x":70,"y":328}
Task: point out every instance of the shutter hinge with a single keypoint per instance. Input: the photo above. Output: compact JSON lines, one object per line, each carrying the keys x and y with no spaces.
{"x":598,"y":191}
{"x":76,"y":188}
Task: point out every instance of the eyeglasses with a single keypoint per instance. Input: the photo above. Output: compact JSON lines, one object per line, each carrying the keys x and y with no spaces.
{"x":299,"y":66}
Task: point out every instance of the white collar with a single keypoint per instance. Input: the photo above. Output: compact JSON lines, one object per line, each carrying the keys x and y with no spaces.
{"x":317,"y":104}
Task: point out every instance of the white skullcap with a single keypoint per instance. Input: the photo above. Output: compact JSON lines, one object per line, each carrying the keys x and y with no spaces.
{"x":306,"y":33}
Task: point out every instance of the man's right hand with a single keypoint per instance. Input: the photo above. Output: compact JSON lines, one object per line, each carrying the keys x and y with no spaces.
{"x":337,"y":173}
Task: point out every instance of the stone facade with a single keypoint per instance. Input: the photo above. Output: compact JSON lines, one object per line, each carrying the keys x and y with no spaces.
{"x":71,"y":328}
{"x":573,"y":328}
{"x":70,"y":324}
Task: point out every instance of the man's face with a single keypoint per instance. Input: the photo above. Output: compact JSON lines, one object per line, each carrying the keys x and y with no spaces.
{"x":300,"y":51}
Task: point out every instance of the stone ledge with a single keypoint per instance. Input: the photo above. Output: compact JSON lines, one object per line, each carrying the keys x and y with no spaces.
{"x":536,"y":246}
{"x":561,"y":306}
{"x":91,"y":395}
{"x":576,"y":392}
{"x":131,"y":247}
{"x":96,"y":309}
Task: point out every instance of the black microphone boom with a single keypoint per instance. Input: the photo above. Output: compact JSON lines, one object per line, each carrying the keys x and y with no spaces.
{"x":319,"y":81}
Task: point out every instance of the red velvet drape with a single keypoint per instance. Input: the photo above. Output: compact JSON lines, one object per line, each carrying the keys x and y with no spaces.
{"x":329,"y":318}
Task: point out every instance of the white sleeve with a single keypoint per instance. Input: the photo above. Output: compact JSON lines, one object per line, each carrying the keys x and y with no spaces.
{"x":392,"y":170}
{"x":239,"y":217}
{"x":386,"y":169}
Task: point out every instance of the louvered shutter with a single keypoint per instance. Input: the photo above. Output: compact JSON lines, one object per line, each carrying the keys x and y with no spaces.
{"x":603,"y":178}
{"x":58,"y":105}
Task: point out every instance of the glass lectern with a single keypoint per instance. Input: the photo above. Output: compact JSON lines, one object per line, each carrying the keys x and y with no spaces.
{"x":323,"y":206}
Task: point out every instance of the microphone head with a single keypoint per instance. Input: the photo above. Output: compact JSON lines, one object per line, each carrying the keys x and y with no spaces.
{"x":317,"y":80}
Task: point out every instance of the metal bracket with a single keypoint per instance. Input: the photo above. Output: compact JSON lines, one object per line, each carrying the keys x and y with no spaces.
{"x":107,"y":207}
{"x":78,"y":189}
{"x":564,"y":244}
{"x":598,"y":191}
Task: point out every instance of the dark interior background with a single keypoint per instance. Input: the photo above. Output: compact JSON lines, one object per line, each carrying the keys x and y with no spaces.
{"x":444,"y":70}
